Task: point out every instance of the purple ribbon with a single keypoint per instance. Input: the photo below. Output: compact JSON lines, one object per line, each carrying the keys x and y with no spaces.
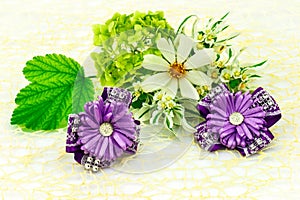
{"x":208,"y":136}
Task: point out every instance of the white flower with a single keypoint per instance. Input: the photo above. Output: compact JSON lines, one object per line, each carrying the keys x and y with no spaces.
{"x":225,"y":75}
{"x":176,"y":69}
{"x":213,"y":73}
{"x":236,"y":72}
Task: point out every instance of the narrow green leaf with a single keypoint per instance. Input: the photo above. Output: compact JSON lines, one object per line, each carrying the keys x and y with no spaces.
{"x":181,"y":26}
{"x":254,"y":76}
{"x":225,"y":16}
{"x":230,"y":38}
{"x":257,"y":65}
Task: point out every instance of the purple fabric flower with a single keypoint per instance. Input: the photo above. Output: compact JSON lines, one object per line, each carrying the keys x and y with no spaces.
{"x":236,"y":121}
{"x":104,"y":131}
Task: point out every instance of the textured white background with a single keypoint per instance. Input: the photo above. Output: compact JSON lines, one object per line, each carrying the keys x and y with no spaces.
{"x":35,"y":166}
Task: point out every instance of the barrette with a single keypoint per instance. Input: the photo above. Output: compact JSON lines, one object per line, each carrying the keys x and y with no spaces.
{"x":105,"y":131}
{"x":238,"y":121}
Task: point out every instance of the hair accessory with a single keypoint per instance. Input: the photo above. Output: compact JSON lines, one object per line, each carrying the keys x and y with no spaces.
{"x":236,"y":120}
{"x":104,"y":131}
{"x":167,"y":75}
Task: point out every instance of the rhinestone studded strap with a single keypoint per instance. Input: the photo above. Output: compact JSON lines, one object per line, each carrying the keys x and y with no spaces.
{"x":207,"y":140}
{"x":72,"y":137}
{"x":257,"y":144}
{"x":112,"y":94}
{"x":262,"y":98}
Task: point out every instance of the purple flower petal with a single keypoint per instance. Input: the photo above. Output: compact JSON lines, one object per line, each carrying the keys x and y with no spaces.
{"x":246,"y":105}
{"x":224,"y":134}
{"x":90,"y":143}
{"x":85,"y":138}
{"x":246,"y":131}
{"x":253,"y":111}
{"x":91,"y":123}
{"x":245,"y":101}
{"x":238,"y":100}
{"x":216,"y":117}
{"x":119,"y":112}
{"x":211,"y":123}
{"x":127,"y":141}
{"x":97,"y":114}
{"x":231,"y":142}
{"x":104,"y":146}
{"x":98,"y":147}
{"x":230,"y":103}
{"x":253,"y":130}
{"x":219,"y":111}
{"x":261,"y":114}
{"x":126,"y":132}
{"x":240,"y":131}
{"x":107,"y":117}
{"x":119,"y":141}
{"x":111,"y":153}
{"x":238,"y":139}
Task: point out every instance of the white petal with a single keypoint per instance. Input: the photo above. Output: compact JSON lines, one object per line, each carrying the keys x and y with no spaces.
{"x":172,"y":87}
{"x":187,"y":89}
{"x":184,"y":49}
{"x":155,"y":82}
{"x":155,"y":63}
{"x":198,"y":78}
{"x":167,"y":49}
{"x":200,"y":58}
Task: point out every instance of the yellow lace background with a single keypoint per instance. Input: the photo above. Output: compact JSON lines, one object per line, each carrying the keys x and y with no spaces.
{"x":35,"y":165}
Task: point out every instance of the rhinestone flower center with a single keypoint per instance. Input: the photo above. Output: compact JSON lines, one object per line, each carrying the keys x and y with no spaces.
{"x":106,"y":129}
{"x":236,"y":118}
{"x":177,"y":70}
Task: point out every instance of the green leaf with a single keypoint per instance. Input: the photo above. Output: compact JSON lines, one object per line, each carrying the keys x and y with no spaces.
{"x":181,"y":26}
{"x":83,"y":92}
{"x":230,"y":38}
{"x":254,"y":76}
{"x":52,"y":66}
{"x":46,"y":111}
{"x":234,"y":83}
{"x":45,"y":103}
{"x":257,"y":65}
{"x":225,"y":16}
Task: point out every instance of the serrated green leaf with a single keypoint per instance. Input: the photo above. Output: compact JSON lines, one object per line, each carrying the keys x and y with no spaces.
{"x":83,"y":92}
{"x":45,"y":112}
{"x":52,"y":66}
{"x":45,"y":103}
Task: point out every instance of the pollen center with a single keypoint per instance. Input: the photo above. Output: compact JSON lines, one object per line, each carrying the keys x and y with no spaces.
{"x":106,"y":129}
{"x":177,"y":70}
{"x":236,"y":118}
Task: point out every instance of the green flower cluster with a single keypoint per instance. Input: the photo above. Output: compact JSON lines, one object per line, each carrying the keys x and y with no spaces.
{"x":123,"y":41}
